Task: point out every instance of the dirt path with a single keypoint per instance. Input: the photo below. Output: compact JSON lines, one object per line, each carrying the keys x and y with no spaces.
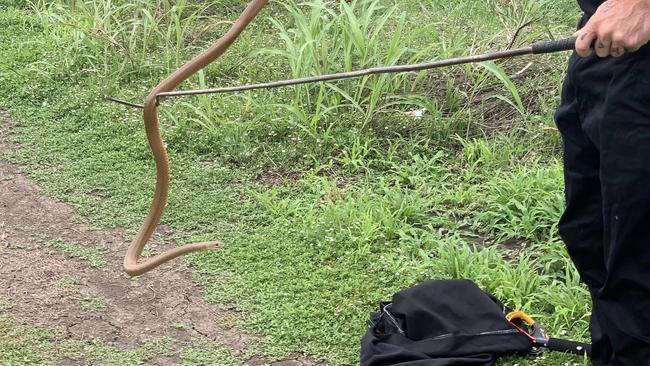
{"x":45,"y":287}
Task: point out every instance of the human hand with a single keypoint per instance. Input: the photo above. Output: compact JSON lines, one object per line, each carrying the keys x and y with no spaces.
{"x":617,"y":27}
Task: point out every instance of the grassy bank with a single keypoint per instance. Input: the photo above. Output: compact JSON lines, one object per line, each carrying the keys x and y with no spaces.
{"x":330,"y":197}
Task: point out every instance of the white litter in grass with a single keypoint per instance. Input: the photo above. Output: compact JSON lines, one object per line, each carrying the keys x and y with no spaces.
{"x":416,"y":113}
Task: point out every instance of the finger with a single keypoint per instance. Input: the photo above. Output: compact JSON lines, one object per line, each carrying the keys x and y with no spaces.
{"x":633,"y":45}
{"x":584,"y":40}
{"x":633,"y":49}
{"x":603,"y":46}
{"x":617,"y":49}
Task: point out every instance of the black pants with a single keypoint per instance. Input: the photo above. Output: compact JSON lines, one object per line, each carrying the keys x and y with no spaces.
{"x":604,"y":119}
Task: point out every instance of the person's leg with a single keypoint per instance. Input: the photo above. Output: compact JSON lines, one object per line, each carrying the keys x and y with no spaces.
{"x":601,"y":345}
{"x":624,"y":141}
{"x":581,"y":225}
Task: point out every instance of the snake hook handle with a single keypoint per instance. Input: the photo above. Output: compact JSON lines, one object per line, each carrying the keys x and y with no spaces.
{"x":131,"y":264}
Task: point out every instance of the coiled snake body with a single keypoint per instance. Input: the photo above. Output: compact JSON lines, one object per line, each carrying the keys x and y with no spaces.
{"x":131,"y":265}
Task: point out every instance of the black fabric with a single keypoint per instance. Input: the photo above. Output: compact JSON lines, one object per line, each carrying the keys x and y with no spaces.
{"x":604,"y":119}
{"x":590,"y":6}
{"x":441,"y":323}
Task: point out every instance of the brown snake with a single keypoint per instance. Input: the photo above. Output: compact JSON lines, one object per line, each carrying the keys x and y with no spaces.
{"x":131,"y":265}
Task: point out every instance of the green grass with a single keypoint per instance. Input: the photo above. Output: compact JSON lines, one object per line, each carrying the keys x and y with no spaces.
{"x":207,"y":353}
{"x":20,"y":345}
{"x":92,"y":255}
{"x":92,"y":302}
{"x":29,"y":345}
{"x":372,"y":201}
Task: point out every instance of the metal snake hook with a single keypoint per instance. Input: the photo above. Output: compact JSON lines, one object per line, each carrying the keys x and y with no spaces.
{"x":536,"y":48}
{"x":131,"y":265}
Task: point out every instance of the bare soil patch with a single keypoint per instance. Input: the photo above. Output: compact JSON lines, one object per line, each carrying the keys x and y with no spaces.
{"x":45,"y":287}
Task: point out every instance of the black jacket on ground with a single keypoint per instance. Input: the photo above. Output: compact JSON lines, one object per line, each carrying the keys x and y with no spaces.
{"x":441,"y":323}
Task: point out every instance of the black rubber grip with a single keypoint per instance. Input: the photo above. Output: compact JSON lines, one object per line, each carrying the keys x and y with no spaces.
{"x":566,"y":44}
{"x":562,"y":345}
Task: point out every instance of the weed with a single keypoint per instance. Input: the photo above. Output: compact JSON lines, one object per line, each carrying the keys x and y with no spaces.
{"x":69,"y":283}
{"x":515,"y":100}
{"x":179,"y":326}
{"x":352,"y":36}
{"x":208,"y":353}
{"x":523,"y":204}
{"x":22,"y":345}
{"x":92,"y":302}
{"x":92,"y":255}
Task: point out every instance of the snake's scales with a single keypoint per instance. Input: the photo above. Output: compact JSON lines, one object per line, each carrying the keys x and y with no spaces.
{"x":131,"y":265}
